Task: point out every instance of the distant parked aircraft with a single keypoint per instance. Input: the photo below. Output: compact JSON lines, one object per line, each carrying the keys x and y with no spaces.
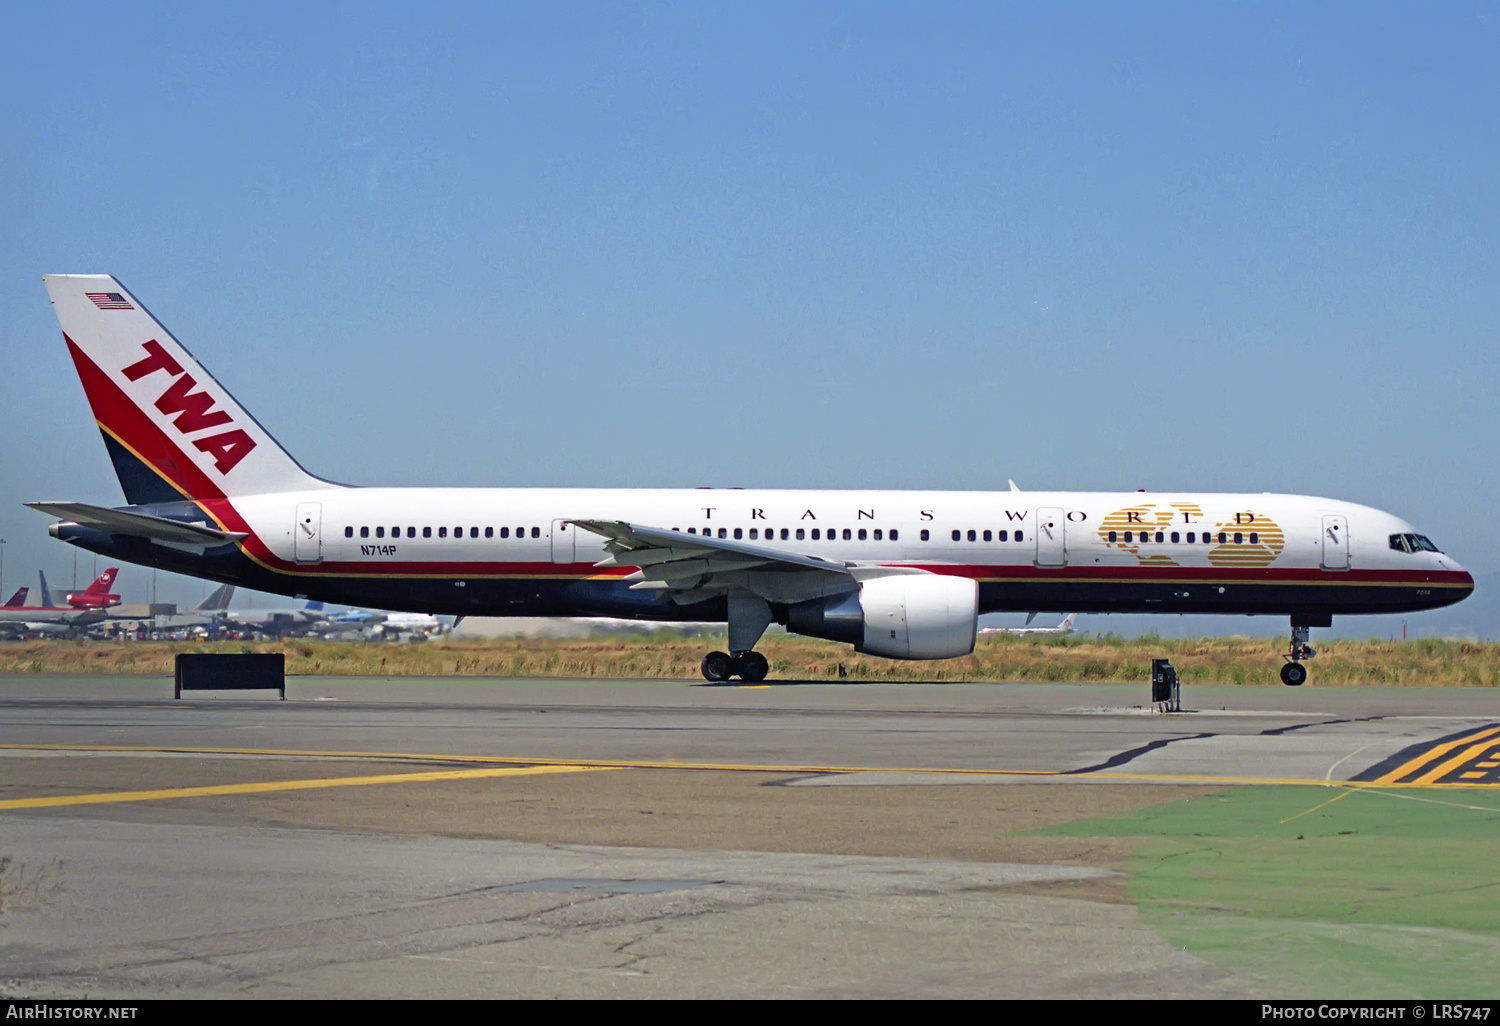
{"x":1066,"y":627}
{"x":16,"y":621}
{"x":96,"y":595}
{"x":18,"y":599}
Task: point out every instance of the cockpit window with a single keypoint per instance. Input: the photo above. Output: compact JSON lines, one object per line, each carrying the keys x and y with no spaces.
{"x":1398,"y":542}
{"x":1413,"y":543}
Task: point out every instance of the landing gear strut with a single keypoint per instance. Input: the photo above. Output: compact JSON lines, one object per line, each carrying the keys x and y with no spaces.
{"x":1294,"y":674}
{"x":750,"y":667}
{"x":749,"y":616}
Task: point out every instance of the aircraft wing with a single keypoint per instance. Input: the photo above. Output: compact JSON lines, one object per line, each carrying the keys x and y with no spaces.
{"x":694,"y":566}
{"x":138,"y":525}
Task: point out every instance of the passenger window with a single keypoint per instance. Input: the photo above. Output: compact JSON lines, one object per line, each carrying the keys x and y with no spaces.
{"x":783,"y":534}
{"x":458,"y":532}
{"x":738,"y":534}
{"x":380,"y":532}
{"x":862,"y":534}
{"x":723,"y":533}
{"x":520,"y":532}
{"x":754,"y":533}
{"x":1223,"y":538}
{"x":489,"y":532}
{"x":926,"y":536}
{"x":987,"y":535}
{"x":1129,"y":537}
{"x":1112,"y":537}
{"x":395,"y":532}
{"x":348,"y":532}
{"x":814,"y":534}
{"x":973,"y":536}
{"x":426,"y":532}
{"x":411,"y":532}
{"x":364,"y":532}
{"x":1018,"y":536}
{"x":846,"y":534}
{"x":893,"y":535}
{"x":692,"y":530}
{"x":957,"y":536}
{"x":799,"y":534}
{"x":1005,"y":536}
{"x":442,"y":532}
{"x":473,"y":532}
{"x":1159,"y":537}
{"x":877,"y":534}
{"x":536,"y":532}
{"x":505,"y":532}
{"x":1238,"y":538}
{"x":1254,"y":537}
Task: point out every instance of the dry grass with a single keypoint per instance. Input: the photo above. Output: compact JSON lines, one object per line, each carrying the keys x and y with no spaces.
{"x":1235,"y":660}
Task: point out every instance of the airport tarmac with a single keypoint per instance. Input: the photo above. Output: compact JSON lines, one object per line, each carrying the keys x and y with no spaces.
{"x":520,"y":838}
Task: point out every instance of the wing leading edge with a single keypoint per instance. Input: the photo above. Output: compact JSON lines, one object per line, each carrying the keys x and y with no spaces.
{"x":691,"y":567}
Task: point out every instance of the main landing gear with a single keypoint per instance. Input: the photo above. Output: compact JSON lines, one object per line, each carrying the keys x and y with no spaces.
{"x":750,"y":667}
{"x":749,"y":616}
{"x":1294,"y":674}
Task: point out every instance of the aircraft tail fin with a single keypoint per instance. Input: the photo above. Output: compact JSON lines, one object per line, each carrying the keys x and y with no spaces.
{"x":46,"y":595}
{"x":1066,"y":626}
{"x":102,"y":583}
{"x":217,"y":601}
{"x":18,"y":599}
{"x":172,"y":431}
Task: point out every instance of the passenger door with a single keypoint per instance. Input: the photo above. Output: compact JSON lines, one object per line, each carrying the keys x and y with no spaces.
{"x":564,"y":549}
{"x":1051,"y":543}
{"x":1335,"y":543}
{"x":307,"y":533}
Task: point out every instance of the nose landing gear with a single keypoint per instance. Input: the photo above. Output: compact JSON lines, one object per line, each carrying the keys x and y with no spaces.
{"x":1294,"y":674}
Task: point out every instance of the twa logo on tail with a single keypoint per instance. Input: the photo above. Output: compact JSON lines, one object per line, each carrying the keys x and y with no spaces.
{"x":172,"y":431}
{"x":192,"y":411}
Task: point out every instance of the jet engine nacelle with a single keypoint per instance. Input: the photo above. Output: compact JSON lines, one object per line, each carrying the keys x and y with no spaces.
{"x":904,"y":616}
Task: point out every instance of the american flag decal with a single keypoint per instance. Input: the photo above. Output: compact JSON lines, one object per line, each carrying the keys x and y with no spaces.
{"x":109,"y":301}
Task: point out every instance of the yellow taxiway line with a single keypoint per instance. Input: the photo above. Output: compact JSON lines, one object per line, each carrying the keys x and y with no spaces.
{"x":108,"y":797}
{"x":511,"y":765}
{"x":1485,"y":739}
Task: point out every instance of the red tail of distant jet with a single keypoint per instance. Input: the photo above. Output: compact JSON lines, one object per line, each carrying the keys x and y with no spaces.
{"x":18,"y":599}
{"x":96,"y":595}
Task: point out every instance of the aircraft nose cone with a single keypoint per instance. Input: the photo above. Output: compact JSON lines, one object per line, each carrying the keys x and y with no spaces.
{"x":1452,"y":566}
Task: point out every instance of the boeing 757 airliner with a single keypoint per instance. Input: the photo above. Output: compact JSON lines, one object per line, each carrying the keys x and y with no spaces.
{"x":902,"y":575}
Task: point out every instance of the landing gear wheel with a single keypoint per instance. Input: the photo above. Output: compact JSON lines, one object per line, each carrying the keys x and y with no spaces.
{"x":1293,"y":675}
{"x":717,"y":666}
{"x":753,"y":667}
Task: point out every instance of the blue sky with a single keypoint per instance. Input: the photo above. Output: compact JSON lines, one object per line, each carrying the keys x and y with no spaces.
{"x":1213,"y":247}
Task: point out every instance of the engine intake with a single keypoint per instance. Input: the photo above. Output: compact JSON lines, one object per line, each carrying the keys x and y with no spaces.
{"x":904,"y":616}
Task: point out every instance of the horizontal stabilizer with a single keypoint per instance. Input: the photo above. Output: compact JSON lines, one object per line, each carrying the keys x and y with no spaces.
{"x":138,"y":525}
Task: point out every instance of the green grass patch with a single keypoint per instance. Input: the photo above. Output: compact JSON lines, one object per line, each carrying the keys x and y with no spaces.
{"x":1324,"y":892}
